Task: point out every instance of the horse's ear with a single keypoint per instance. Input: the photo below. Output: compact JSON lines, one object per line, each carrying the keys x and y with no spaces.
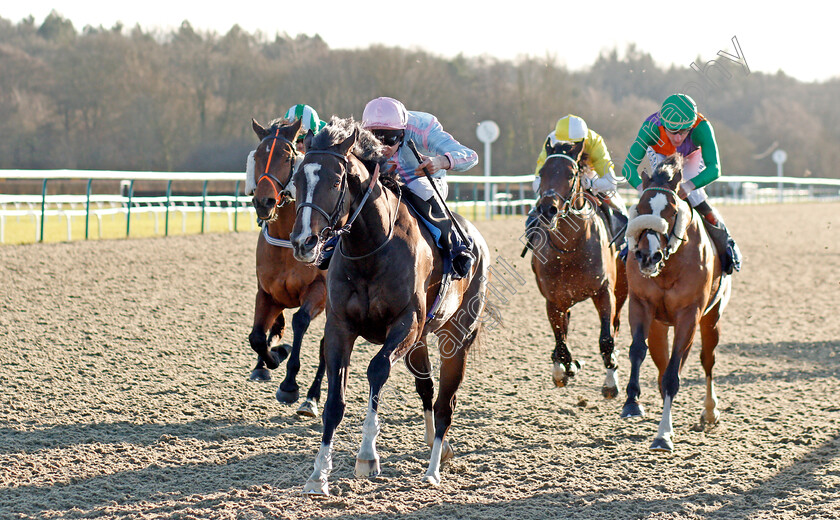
{"x":576,"y":150}
{"x":345,"y":147}
{"x":295,"y":127}
{"x":258,"y":129}
{"x":645,"y":178}
{"x":308,"y":139}
{"x":548,"y":148}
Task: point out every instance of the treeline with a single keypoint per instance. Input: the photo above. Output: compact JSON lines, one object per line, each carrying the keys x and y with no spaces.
{"x":127,"y":99}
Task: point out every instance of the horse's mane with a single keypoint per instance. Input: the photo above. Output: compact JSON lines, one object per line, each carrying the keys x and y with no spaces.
{"x":367,"y":147}
{"x":277,"y":123}
{"x":665,"y":171}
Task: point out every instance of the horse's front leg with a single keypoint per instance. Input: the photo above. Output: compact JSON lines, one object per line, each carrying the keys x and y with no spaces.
{"x":640,"y":317}
{"x":268,"y":317}
{"x":399,"y":340}
{"x":605,"y":304}
{"x":564,"y":367}
{"x":309,"y":408}
{"x":289,"y":391}
{"x":684,"y":329}
{"x":337,"y":348}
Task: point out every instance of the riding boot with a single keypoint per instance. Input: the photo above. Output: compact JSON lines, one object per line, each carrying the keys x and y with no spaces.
{"x":446,"y":239}
{"x":730,"y":254}
{"x":618,"y":219}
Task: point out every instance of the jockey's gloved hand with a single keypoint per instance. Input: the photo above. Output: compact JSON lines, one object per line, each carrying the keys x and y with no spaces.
{"x":432,"y":165}
{"x":686,"y":187}
{"x":604,"y":185}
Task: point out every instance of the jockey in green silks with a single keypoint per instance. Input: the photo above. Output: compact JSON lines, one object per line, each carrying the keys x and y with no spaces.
{"x":309,"y":121}
{"x":679,"y":127}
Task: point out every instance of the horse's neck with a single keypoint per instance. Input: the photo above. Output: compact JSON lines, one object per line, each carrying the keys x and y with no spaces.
{"x":572,"y":229}
{"x":373,"y":225}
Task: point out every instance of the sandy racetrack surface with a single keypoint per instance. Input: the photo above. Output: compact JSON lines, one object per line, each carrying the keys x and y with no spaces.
{"x":125,"y":395}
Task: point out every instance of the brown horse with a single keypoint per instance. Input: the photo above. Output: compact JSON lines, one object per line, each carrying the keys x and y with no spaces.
{"x":383,"y":284}
{"x":574,"y":260}
{"x":675,"y":281}
{"x":282,"y":282}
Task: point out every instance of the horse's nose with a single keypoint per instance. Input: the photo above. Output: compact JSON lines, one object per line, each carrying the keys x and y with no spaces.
{"x":656,"y":257}
{"x":640,"y":257}
{"x":304,"y":247}
{"x":265,"y":202}
{"x":263,"y":206}
{"x":547,"y":211}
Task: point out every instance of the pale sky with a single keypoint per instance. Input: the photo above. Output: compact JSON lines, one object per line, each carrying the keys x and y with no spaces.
{"x":801,"y":39}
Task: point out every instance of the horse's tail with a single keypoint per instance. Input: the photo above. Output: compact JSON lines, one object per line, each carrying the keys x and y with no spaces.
{"x":490,"y":319}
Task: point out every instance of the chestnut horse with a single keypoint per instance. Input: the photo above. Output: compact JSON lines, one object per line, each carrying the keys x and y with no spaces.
{"x":574,"y":260}
{"x":383,"y":283}
{"x":282,"y":282}
{"x":675,"y":281}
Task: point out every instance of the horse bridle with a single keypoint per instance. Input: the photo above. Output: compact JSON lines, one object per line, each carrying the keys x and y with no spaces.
{"x":666,"y":251}
{"x":567,"y":202}
{"x":332,"y":218}
{"x":281,"y":196}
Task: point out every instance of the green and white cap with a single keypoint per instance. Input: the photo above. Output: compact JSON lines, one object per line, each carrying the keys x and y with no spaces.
{"x":308,"y":116}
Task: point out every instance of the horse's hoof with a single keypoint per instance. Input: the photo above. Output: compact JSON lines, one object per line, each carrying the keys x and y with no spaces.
{"x":432,"y":478}
{"x":559,"y":375}
{"x":260,"y":374}
{"x":632,"y":409}
{"x":704,"y":421}
{"x":280,"y":353}
{"x":287,"y":397}
{"x":274,"y":358}
{"x":308,"y":408}
{"x":446,"y":451}
{"x":664,"y":444}
{"x":367,"y":468}
{"x":609,"y":393}
{"x":316,"y":489}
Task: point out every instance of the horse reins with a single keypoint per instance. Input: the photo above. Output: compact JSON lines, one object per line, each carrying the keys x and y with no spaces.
{"x":332,"y":218}
{"x":576,"y":173}
{"x":666,"y":252}
{"x":266,"y":175}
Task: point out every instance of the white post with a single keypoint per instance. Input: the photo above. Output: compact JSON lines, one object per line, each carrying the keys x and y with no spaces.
{"x":488,"y":195}
{"x":779,"y":157}
{"x":487,"y":132}
{"x":781,"y":191}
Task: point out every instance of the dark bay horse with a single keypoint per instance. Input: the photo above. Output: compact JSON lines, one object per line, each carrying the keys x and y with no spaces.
{"x":675,"y":281}
{"x":282,"y":282}
{"x":574,"y":260}
{"x":382,"y":283}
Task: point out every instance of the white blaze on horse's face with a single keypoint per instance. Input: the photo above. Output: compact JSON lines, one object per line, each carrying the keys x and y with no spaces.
{"x":304,"y":218}
{"x":311,"y":172}
{"x":653,"y":242}
{"x":657,"y":203}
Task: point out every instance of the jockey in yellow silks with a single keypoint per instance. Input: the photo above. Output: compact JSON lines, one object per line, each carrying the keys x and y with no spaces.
{"x":601,"y":179}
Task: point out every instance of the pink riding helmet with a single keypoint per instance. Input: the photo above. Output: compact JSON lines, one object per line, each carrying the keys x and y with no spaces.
{"x":384,"y":113}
